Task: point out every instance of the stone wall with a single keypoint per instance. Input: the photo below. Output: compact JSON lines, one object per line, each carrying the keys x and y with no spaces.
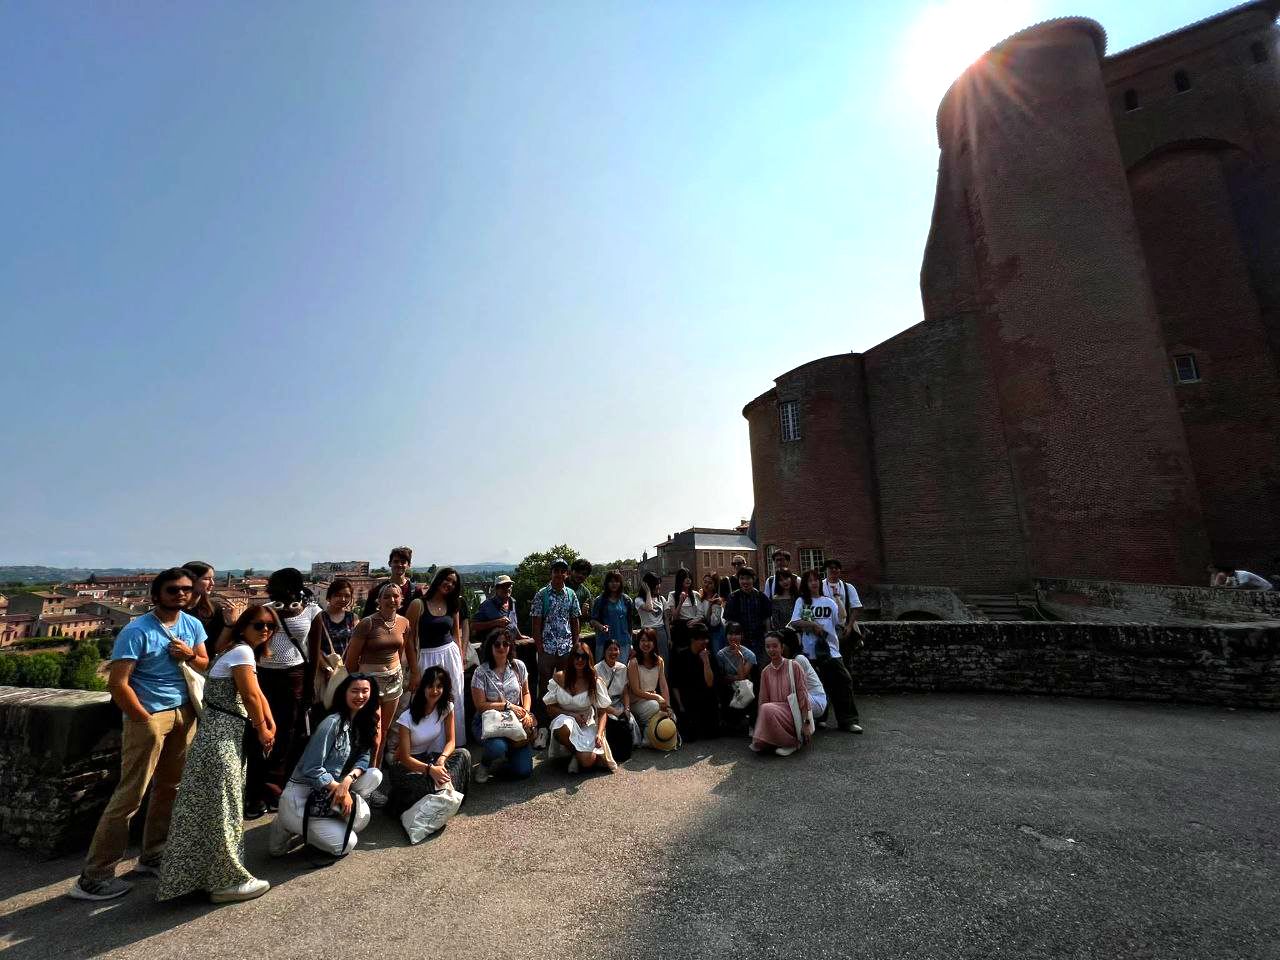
{"x":59,"y":762}
{"x":1233,"y":665}
{"x":1106,"y":601}
{"x":891,"y":601}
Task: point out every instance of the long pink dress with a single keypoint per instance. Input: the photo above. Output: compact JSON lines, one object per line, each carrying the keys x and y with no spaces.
{"x":775,"y":727}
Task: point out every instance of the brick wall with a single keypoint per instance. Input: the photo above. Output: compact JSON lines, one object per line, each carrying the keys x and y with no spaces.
{"x":893,"y":601}
{"x":1224,"y":665}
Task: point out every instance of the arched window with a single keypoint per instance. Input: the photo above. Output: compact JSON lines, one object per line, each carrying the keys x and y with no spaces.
{"x":1131,"y":100}
{"x":1181,"y":82}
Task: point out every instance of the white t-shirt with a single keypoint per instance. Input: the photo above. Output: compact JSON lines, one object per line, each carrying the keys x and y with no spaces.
{"x":811,"y":681}
{"x":241,"y":655}
{"x":1246,"y":579}
{"x":844,"y":594}
{"x":824,"y":612}
{"x":654,"y":618}
{"x":426,"y":736}
{"x":689,"y":610}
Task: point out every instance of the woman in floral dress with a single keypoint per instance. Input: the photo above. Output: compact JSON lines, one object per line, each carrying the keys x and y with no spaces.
{"x":205,"y":850}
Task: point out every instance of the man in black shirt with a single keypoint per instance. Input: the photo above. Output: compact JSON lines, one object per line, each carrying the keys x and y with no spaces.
{"x":693,"y":676}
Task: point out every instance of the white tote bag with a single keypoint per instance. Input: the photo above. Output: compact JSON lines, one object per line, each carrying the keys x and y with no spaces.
{"x":430,"y":814}
{"x":793,"y":701}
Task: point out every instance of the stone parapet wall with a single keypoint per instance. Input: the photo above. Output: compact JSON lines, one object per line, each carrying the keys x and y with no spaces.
{"x":1107,"y":601}
{"x":890,"y":601}
{"x":1233,"y":665}
{"x":59,"y":762}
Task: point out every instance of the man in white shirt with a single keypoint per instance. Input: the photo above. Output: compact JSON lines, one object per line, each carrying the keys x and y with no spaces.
{"x":846,"y":597}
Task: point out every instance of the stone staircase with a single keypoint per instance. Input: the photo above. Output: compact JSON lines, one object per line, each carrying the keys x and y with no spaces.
{"x":1003,"y":606}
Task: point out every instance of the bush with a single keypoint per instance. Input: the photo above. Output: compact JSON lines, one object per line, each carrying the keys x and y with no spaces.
{"x":80,"y":668}
{"x":8,"y":670}
{"x":105,"y":645}
{"x":40,"y":670}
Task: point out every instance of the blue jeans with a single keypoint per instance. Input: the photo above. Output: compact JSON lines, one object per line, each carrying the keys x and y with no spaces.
{"x":516,"y":762}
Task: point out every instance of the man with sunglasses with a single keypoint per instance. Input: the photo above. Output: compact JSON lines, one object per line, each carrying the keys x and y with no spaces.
{"x":146,"y":683}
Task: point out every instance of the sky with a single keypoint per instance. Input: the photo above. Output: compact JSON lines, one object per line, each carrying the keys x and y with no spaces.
{"x":285,"y":282}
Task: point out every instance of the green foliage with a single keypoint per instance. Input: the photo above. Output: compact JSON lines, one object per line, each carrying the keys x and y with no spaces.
{"x":80,"y":668}
{"x":8,"y":670}
{"x":105,"y":645}
{"x":531,"y":574}
{"x":40,"y":670}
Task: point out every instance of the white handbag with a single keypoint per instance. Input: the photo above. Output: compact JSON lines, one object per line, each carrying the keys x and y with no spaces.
{"x":430,"y":814}
{"x":503,"y":724}
{"x":743,"y":694}
{"x":793,"y":701}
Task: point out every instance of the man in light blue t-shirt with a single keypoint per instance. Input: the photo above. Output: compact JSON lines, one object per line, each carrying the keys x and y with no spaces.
{"x":147,"y":685}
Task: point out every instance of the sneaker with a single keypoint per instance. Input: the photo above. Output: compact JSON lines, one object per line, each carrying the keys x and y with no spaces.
{"x":851,"y":728}
{"x":785,"y":751}
{"x":540,"y":742}
{"x":252,"y":811}
{"x":147,"y":869}
{"x":377,"y":799}
{"x":249,"y":890}
{"x":755,"y":747}
{"x":480,"y":773}
{"x":109,"y":889}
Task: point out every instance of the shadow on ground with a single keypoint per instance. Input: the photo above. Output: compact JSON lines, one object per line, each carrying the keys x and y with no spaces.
{"x":958,"y":826}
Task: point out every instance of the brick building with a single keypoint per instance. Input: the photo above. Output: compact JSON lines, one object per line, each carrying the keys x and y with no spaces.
{"x":40,"y":604}
{"x":1095,"y":388}
{"x":327,"y":570}
{"x":15,"y":627}
{"x":73,"y":626}
{"x":700,"y":550}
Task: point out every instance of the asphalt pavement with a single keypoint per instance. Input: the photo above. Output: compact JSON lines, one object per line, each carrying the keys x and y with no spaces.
{"x":957,"y":826}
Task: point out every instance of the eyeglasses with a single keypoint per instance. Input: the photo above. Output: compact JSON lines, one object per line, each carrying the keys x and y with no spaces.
{"x":177,"y":591}
{"x":502,"y":643}
{"x":264,"y":625}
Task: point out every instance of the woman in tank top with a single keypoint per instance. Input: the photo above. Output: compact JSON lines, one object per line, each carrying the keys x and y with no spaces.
{"x":435,"y":639}
{"x":378,"y":645}
{"x":647,"y":680}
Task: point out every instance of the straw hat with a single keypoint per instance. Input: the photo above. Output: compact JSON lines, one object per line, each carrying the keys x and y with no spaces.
{"x":661,"y":732}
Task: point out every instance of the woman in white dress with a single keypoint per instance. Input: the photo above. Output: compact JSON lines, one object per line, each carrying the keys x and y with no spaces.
{"x":647,"y":680}
{"x":577,"y":702}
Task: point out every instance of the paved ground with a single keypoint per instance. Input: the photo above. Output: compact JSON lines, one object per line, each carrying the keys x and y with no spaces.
{"x":957,"y":827}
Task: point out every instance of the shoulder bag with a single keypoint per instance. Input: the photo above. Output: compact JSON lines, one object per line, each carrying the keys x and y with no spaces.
{"x":193,"y":680}
{"x":331,"y":669}
{"x":793,"y":701}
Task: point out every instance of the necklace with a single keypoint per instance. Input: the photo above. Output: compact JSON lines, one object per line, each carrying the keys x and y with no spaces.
{"x":389,"y":624}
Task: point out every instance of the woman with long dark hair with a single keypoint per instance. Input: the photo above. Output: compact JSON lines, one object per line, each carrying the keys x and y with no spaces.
{"x":327,"y":796}
{"x":651,"y":608}
{"x":578,"y":705}
{"x":435,"y":639}
{"x":205,"y":850}
{"x":282,"y":673}
{"x":647,"y":680}
{"x":427,"y":757}
{"x":682,"y":610}
{"x":778,"y":727}
{"x":213,"y":612}
{"x":619,"y":727}
{"x":611,"y":616}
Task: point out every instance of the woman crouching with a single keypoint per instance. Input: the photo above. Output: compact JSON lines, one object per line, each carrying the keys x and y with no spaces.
{"x":427,"y":757}
{"x":325,"y":801}
{"x":578,"y":705}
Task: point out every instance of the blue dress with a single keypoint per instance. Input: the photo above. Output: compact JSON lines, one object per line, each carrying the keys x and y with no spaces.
{"x":616,"y":615}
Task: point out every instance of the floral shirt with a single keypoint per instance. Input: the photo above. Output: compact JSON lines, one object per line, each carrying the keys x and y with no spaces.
{"x":556,"y":608}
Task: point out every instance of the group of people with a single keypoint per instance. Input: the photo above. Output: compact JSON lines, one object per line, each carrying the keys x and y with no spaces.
{"x":321,"y":716}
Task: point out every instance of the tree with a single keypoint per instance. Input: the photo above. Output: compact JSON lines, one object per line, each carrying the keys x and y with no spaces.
{"x":531,"y":574}
{"x":8,"y":670}
{"x":80,"y":668}
{"x":39,"y":670}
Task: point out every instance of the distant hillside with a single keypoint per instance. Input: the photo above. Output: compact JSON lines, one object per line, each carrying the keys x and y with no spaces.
{"x":35,"y":574}
{"x":484,"y":567}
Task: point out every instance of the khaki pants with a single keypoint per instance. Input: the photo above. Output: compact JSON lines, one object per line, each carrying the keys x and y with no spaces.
{"x":152,"y":754}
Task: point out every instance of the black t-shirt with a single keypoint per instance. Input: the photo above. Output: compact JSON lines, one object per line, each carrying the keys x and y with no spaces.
{"x":687,"y":677}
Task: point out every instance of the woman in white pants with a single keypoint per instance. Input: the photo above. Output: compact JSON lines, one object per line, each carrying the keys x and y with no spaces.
{"x":333,"y":778}
{"x":435,"y":640}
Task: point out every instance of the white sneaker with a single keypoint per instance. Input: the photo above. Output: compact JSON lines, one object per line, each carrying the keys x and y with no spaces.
{"x":249,"y":890}
{"x":480,"y":773}
{"x":107,"y":889}
{"x":540,"y":742}
{"x":755,"y":747}
{"x":785,"y":751}
{"x":147,"y":869}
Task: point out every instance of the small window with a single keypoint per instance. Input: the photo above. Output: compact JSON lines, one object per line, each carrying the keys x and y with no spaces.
{"x":789,"y":412}
{"x":1181,"y":82}
{"x":1259,"y":51}
{"x":1187,"y":369}
{"x":810,"y":558}
{"x":1131,"y":99}
{"x":768,"y":559}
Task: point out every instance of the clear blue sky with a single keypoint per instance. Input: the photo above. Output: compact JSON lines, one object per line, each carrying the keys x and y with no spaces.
{"x":296,"y":281}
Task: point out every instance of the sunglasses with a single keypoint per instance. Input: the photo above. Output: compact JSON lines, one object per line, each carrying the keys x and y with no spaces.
{"x":264,"y":625}
{"x":502,"y":643}
{"x":177,"y":591}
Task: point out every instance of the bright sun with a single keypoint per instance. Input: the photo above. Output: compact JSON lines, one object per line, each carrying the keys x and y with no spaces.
{"x":948,"y":35}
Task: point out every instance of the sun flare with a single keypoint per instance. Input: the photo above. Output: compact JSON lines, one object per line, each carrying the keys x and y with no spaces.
{"x":948,"y":35}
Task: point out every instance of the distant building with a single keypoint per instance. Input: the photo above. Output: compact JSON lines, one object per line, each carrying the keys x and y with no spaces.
{"x":73,"y":626}
{"x":44,"y":603}
{"x":116,"y":614}
{"x":15,"y":627}
{"x":339,"y":568}
{"x":700,"y":550}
